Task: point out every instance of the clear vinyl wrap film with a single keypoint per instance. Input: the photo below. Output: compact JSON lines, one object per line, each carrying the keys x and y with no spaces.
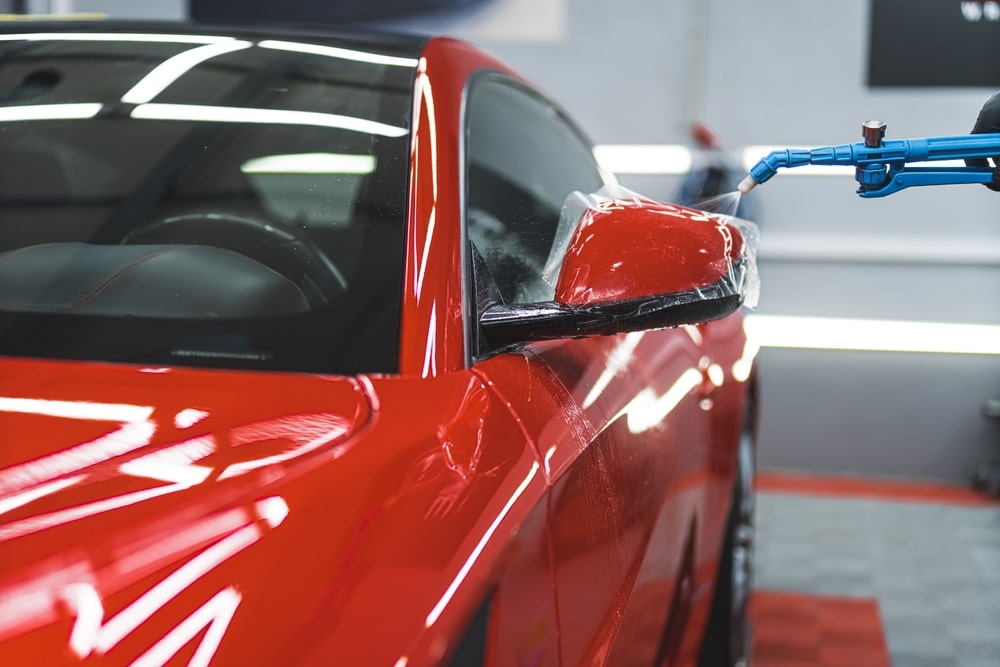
{"x":578,"y":204}
{"x":622,"y":262}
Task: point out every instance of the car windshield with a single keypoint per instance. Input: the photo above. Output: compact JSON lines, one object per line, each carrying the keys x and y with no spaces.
{"x":231,"y":200}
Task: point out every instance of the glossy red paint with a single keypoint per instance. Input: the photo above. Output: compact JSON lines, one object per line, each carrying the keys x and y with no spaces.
{"x":433,"y":332}
{"x":576,"y":488}
{"x":663,"y":245}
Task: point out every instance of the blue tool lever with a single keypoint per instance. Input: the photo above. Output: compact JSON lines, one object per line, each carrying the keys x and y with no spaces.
{"x":881,"y":165}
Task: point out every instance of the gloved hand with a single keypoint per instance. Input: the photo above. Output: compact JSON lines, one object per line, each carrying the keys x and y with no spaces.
{"x":988,"y":121}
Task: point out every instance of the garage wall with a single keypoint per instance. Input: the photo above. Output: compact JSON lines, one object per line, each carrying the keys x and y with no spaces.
{"x":639,"y":71}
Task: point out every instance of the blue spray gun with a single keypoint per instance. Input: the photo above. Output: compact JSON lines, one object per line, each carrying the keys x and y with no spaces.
{"x":881,"y":165}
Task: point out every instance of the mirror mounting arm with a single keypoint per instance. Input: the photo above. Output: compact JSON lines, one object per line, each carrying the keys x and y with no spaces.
{"x":552,"y":320}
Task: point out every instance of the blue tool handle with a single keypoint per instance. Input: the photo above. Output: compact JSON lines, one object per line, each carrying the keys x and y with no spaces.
{"x":913,"y":176}
{"x":875,"y":161}
{"x":967,"y":146}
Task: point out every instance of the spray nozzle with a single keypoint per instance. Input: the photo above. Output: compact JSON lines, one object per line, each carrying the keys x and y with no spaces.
{"x":880,"y":166}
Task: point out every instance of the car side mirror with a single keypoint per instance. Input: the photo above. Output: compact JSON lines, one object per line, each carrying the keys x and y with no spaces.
{"x":633,"y":264}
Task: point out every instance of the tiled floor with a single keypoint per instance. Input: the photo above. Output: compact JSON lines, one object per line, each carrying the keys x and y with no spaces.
{"x":921,"y":561}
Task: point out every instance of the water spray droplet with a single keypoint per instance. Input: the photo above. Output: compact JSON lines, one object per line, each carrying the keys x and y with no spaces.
{"x":726,"y":203}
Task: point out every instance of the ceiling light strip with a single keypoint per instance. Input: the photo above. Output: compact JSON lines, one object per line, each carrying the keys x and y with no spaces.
{"x":827,"y":333}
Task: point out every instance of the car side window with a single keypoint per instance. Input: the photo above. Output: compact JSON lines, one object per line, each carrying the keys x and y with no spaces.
{"x":523,"y":158}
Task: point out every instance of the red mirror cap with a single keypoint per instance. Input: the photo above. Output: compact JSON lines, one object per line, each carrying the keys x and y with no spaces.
{"x":629,"y":249}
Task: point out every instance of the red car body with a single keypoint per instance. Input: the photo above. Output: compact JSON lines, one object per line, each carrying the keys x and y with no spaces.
{"x":572,"y":494}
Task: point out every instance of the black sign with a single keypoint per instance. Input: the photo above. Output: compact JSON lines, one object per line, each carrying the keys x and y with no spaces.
{"x":934,"y":43}
{"x":309,"y":11}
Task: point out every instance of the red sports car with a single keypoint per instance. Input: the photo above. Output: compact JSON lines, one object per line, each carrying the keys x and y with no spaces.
{"x":342,"y":350}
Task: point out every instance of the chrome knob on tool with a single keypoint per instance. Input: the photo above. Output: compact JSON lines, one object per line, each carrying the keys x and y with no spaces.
{"x":873,"y":132}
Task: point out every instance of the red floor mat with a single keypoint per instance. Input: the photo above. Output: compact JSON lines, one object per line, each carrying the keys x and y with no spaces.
{"x":801,"y":630}
{"x":872,"y":489}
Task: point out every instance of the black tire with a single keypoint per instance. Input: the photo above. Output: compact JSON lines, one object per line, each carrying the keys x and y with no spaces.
{"x":727,"y":635}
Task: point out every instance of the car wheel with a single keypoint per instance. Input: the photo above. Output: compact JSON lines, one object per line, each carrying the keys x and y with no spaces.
{"x":727,"y":636}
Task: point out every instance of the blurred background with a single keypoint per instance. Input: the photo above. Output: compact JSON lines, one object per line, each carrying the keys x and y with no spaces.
{"x":879,"y":319}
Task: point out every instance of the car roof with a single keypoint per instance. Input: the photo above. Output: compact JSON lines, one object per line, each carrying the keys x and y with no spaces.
{"x":405,"y":44}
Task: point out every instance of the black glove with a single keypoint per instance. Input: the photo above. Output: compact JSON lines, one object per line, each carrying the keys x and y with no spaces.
{"x":988,"y":121}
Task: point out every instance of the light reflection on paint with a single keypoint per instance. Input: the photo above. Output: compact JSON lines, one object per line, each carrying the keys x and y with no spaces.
{"x":20,"y":499}
{"x":429,"y":368}
{"x":179,"y":473}
{"x":715,"y":374}
{"x":148,"y":552}
{"x":743,"y":366}
{"x":647,"y":410}
{"x":217,"y":614}
{"x":694,"y":333}
{"x":435,"y":613}
{"x":188,"y":418}
{"x":128,"y":438}
{"x":273,"y":510}
{"x":174,"y":465}
{"x":85,"y":602}
{"x":548,"y":459}
{"x":45,"y":521}
{"x":307,"y":433}
{"x":29,"y":602}
{"x":618,"y":361}
{"x":185,"y":452}
{"x":112,"y":412}
{"x":130,"y":618}
{"x":427,"y":97}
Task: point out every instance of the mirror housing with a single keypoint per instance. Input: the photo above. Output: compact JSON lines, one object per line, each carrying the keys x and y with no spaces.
{"x":634,"y":264}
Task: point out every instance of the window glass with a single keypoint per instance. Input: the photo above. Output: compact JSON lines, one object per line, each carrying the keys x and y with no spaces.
{"x":524,"y":158}
{"x":203,"y":199}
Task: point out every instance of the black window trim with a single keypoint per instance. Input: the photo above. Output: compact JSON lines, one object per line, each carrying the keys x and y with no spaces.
{"x":471,"y":332}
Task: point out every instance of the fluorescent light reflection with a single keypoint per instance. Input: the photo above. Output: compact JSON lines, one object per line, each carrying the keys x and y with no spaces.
{"x":470,"y":561}
{"x":273,"y":510}
{"x":618,"y":361}
{"x":647,"y":410}
{"x":85,"y":602}
{"x":130,"y":618}
{"x":49,"y":112}
{"x":112,"y":37}
{"x":9,"y":503}
{"x":129,"y":437}
{"x":188,"y":417}
{"x":824,"y":333}
{"x":343,"y":54}
{"x":174,"y":68}
{"x":743,"y":367}
{"x":45,"y":521}
{"x":112,"y":412}
{"x":644,"y":158}
{"x":204,"y":113}
{"x":310,"y":163}
{"x":217,"y":614}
